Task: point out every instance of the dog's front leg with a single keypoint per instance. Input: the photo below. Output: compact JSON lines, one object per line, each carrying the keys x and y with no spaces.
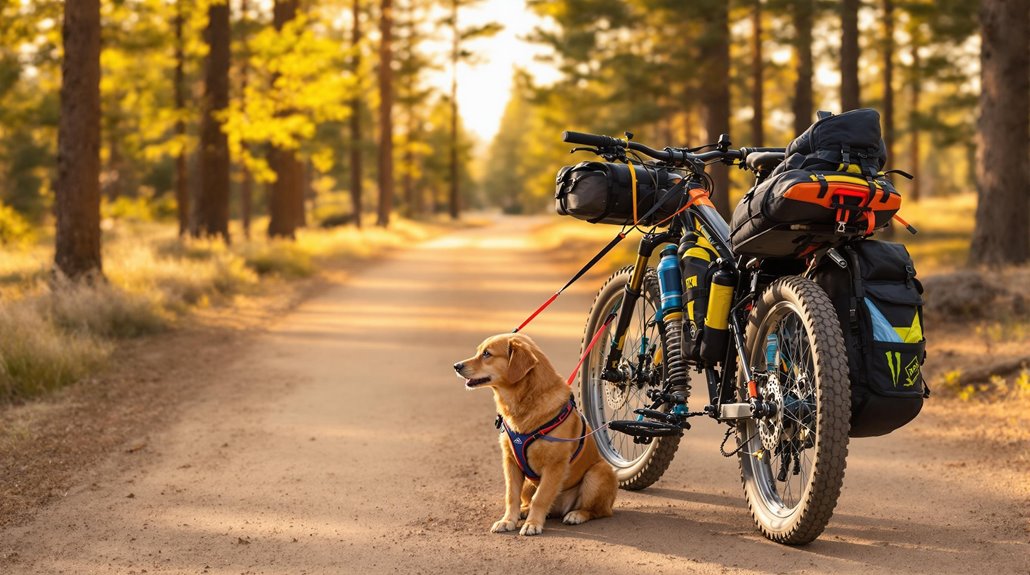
{"x":551,"y":479}
{"x":513,"y":480}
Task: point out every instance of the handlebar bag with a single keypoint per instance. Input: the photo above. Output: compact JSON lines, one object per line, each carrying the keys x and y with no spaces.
{"x":602,"y":192}
{"x":879,"y":303}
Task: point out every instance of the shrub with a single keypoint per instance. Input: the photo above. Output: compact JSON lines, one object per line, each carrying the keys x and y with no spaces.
{"x":101,"y":310}
{"x":14,"y":228}
{"x":36,"y":357}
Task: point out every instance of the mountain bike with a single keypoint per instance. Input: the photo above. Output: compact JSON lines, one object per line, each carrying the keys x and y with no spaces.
{"x":765,"y":339}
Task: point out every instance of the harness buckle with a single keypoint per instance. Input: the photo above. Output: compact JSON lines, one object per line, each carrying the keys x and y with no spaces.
{"x":841,"y":227}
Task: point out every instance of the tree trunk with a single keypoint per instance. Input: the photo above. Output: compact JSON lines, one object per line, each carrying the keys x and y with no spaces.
{"x":888,"y":78}
{"x":356,"y":143}
{"x":385,"y":113}
{"x":182,"y":191}
{"x":849,"y":89}
{"x":77,"y":253}
{"x":757,"y":68}
{"x":804,"y":12}
{"x":247,"y":185}
{"x":214,"y":145}
{"x":455,"y":192}
{"x":1002,"y":234}
{"x":286,"y":198}
{"x":716,"y":96}
{"x":915,"y":93}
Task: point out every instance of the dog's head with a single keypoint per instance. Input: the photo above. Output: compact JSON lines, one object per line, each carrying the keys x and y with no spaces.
{"x":501,"y":361}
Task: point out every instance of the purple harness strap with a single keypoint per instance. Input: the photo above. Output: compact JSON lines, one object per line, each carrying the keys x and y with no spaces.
{"x":520,"y":442}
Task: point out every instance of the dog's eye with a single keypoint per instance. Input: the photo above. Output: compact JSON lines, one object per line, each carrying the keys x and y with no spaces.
{"x":486,"y":354}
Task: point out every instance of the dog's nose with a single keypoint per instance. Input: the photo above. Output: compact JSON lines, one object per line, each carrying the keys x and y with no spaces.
{"x":459,"y":366}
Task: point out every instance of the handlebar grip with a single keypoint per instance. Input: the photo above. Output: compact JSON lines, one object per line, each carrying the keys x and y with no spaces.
{"x":595,"y":140}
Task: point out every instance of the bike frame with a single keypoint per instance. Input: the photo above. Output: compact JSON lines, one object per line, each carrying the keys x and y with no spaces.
{"x":702,"y":218}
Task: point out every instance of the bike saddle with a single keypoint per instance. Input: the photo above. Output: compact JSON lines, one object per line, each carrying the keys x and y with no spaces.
{"x":764,"y":161}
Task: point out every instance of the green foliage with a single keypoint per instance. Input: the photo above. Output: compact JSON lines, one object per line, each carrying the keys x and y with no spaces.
{"x":14,"y":228}
{"x":310,"y":85}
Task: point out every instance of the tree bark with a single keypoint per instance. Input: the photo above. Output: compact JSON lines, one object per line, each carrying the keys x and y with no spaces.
{"x":849,"y":88}
{"x":715,"y":55}
{"x":455,"y":192}
{"x":247,"y":185}
{"x":356,"y":143}
{"x":888,"y":78}
{"x":757,"y":85}
{"x":182,"y":192}
{"x":286,"y":197}
{"x":1002,"y":233}
{"x":77,"y":208}
{"x":915,"y":93}
{"x":385,"y":113}
{"x":214,"y":144}
{"x":804,"y":12}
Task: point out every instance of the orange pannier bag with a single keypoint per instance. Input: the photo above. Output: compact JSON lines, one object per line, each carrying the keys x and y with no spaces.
{"x":796,"y":212}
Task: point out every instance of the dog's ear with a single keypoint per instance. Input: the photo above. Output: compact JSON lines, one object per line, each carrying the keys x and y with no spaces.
{"x":520,"y":360}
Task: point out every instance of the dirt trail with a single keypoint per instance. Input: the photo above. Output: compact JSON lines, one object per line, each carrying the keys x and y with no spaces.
{"x":340,"y":442}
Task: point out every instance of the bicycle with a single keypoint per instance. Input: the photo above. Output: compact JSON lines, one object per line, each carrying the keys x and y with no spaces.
{"x":770,"y":349}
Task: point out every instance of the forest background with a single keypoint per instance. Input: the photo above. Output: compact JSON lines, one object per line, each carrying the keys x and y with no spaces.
{"x":181,"y":150}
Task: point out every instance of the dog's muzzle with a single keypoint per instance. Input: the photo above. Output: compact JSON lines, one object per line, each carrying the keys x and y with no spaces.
{"x":470,"y":383}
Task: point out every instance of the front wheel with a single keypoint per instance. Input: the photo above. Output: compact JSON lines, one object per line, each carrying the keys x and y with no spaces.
{"x":637,"y":465}
{"x":792,"y":460}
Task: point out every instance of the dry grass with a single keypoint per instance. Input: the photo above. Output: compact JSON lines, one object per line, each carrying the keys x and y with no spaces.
{"x":54,"y":332}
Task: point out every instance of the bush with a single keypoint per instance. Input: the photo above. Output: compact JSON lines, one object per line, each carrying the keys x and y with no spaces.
{"x":14,"y":228}
{"x":36,"y":357}
{"x":281,"y":258}
{"x":101,"y":310}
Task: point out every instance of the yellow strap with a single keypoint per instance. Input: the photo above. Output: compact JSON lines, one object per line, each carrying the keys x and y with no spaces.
{"x":633,"y":183}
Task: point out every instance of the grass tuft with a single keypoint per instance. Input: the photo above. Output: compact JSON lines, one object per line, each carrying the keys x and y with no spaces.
{"x":36,"y":356}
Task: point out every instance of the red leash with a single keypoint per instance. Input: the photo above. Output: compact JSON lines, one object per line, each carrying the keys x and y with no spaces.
{"x":586,"y":352}
{"x":593,"y":261}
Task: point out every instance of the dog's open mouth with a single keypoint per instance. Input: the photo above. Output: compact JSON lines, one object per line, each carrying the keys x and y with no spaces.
{"x":470,"y":383}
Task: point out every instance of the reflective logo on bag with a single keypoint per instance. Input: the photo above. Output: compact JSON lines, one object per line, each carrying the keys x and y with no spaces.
{"x":912,"y":372}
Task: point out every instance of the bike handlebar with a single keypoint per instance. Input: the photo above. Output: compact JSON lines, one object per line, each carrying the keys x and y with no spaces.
{"x":673,"y":155}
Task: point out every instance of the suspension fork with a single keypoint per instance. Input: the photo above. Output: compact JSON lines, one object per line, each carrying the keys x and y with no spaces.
{"x":634,"y":289}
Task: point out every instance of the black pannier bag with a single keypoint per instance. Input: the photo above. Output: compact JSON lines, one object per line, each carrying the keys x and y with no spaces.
{"x":602,"y":192}
{"x":828,"y":190}
{"x":879,"y":303}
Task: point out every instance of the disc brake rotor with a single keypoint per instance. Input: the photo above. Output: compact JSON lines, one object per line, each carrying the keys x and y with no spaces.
{"x":770,"y":429}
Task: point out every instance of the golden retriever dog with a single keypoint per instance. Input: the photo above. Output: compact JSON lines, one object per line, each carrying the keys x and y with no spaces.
{"x":566,"y":476}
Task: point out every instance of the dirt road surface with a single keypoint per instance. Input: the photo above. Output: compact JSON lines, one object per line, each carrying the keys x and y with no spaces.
{"x":341,"y":442}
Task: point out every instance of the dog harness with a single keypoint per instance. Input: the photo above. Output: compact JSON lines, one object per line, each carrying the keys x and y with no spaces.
{"x":520,"y":442}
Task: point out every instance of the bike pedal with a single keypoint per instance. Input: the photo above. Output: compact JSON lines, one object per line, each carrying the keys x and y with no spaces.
{"x":645,"y":428}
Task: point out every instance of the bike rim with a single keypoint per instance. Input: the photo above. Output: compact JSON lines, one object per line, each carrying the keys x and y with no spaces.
{"x":604,"y":401}
{"x":790,"y":437}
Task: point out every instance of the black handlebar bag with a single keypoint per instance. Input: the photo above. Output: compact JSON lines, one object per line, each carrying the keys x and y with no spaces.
{"x":879,"y":304}
{"x":602,"y":192}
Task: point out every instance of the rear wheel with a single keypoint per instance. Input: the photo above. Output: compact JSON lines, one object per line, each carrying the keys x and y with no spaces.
{"x":792,"y":461}
{"x":637,"y":465}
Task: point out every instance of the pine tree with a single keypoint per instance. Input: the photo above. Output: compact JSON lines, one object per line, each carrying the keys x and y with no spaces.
{"x":213,"y":203}
{"x":385,"y":158}
{"x":849,"y":52}
{"x":1002,"y":233}
{"x":78,"y":142}
{"x":286,"y":197}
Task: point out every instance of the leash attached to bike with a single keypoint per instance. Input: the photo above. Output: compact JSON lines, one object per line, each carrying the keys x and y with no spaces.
{"x":598,"y":257}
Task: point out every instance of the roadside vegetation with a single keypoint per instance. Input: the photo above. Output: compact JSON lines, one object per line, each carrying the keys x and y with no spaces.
{"x":54,"y":332}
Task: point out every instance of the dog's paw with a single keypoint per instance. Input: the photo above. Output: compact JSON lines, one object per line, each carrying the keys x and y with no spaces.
{"x":504,"y":525}
{"x":532,"y":528}
{"x":575,"y":517}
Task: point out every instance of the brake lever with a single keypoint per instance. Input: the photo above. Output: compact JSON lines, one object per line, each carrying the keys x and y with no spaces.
{"x":591,"y":150}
